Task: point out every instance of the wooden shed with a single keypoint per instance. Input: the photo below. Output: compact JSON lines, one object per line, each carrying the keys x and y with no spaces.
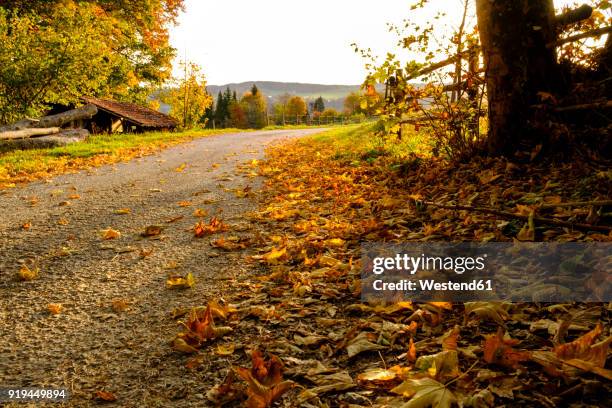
{"x":114,"y":116}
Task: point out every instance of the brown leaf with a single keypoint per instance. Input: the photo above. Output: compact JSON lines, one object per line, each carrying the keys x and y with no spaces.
{"x":152,"y":230}
{"x":264,"y":380}
{"x":583,"y":348}
{"x":106,"y":396}
{"x":498,"y":350}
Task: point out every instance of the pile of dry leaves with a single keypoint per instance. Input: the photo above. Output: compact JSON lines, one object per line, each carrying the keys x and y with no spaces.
{"x":307,"y":339}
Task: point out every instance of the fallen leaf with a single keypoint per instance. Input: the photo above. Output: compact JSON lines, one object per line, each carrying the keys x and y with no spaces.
{"x":215,"y":225}
{"x":123,"y":211}
{"x":424,"y":393}
{"x":110,"y":233}
{"x":106,"y":396}
{"x":180,"y":282}
{"x":498,"y":350}
{"x":54,"y":308}
{"x":362,"y":342}
{"x":583,"y":348}
{"x":27,"y":274}
{"x":264,"y":379}
{"x":152,"y":230}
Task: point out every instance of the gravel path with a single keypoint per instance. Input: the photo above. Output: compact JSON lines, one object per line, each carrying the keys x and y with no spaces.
{"x":90,"y":346}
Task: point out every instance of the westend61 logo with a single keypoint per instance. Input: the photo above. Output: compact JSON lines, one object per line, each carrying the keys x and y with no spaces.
{"x":472,"y":271}
{"x":410,"y":264}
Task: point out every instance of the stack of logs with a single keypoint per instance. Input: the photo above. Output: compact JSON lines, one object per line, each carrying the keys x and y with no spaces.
{"x":46,"y":131}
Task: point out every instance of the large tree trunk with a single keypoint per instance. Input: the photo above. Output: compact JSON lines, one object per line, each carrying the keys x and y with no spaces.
{"x":518,"y":64}
{"x":27,"y":133}
{"x":84,"y":112}
{"x":60,"y":139}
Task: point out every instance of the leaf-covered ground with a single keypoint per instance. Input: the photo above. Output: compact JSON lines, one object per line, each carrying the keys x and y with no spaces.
{"x":295,"y":332}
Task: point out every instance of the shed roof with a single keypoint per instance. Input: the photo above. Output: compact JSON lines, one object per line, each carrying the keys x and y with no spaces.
{"x":137,"y":114}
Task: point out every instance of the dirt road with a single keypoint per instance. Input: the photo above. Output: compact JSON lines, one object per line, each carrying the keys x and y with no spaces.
{"x":91,"y":346}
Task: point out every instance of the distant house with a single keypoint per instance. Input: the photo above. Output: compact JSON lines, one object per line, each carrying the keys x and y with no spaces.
{"x":114,"y":116}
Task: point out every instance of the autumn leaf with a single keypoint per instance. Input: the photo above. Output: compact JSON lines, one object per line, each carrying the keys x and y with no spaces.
{"x":201,"y":327}
{"x":498,"y":350}
{"x":583,"y":348}
{"x":449,"y":340}
{"x":412,"y":353}
{"x":105,"y":396}
{"x":379,"y":377}
{"x":200,"y":213}
{"x":264,"y":379}
{"x":185,"y":203}
{"x":152,"y":230}
{"x":54,"y":308}
{"x":425,"y":393}
{"x":180,"y":282}
{"x":215,"y":225}
{"x":276,"y":255}
{"x":225,"y":392}
{"x":110,"y":233}
{"x":123,"y":211}
{"x":494,"y":311}
{"x":27,"y":274}
{"x":119,"y":305}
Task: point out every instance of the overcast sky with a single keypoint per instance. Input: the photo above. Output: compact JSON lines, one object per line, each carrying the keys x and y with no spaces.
{"x":289,"y":41}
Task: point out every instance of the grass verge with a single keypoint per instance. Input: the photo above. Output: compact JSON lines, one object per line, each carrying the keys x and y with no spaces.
{"x":22,"y":166}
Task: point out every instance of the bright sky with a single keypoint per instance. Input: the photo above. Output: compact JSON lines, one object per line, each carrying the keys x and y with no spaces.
{"x":287,"y":41}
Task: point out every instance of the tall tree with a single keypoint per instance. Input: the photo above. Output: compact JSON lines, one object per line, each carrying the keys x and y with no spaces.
{"x":188,"y":100}
{"x":319,"y":105}
{"x":296,"y":107}
{"x":255,"y":108}
{"x":518,"y":65}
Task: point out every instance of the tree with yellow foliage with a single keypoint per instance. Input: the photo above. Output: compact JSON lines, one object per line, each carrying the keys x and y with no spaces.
{"x":189,"y":99}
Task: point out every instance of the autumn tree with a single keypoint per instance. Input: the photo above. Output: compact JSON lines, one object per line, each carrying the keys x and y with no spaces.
{"x":189,"y":99}
{"x":54,"y":63}
{"x":352,"y":103}
{"x":255,"y":108}
{"x":296,"y":108}
{"x":59,"y":50}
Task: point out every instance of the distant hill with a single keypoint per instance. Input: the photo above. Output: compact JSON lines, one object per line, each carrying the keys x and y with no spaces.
{"x":332,"y":94}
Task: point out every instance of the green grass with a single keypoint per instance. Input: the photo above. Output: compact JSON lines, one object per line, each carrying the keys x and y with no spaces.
{"x":26,"y":165}
{"x":363,"y":142}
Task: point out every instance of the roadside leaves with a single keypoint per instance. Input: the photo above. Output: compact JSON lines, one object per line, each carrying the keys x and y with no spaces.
{"x":319,"y":202}
{"x":152,"y":231}
{"x":180,"y":282}
{"x":264,"y":379}
{"x":215,"y":225}
{"x":54,"y":308}
{"x":200,"y":328}
{"x":110,"y":233}
{"x":105,"y":396}
{"x":27,"y":274}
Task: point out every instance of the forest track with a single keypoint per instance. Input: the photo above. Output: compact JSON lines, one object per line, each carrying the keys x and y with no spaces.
{"x":90,"y":346}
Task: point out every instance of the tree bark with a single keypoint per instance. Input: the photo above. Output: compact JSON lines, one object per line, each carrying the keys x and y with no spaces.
{"x":60,"y":139}
{"x":27,"y":133}
{"x":22,"y":124}
{"x":518,"y":65}
{"x":85,"y":112}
